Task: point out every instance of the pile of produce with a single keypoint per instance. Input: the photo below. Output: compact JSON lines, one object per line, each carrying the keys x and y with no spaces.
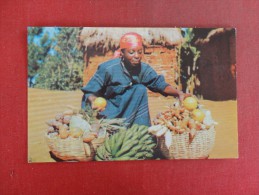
{"x":179,"y":119}
{"x":134,"y":143}
{"x":74,"y":124}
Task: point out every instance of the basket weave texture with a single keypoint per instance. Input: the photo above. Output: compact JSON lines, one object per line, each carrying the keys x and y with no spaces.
{"x":72,"y":149}
{"x":181,"y":147}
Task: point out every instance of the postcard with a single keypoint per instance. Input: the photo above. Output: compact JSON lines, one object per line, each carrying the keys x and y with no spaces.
{"x":119,"y":94}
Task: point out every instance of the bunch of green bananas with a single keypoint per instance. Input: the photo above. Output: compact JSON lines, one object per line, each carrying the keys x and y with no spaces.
{"x":132,"y":144}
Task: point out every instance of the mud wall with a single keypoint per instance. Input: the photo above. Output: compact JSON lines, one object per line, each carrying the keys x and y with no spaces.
{"x":217,"y":67}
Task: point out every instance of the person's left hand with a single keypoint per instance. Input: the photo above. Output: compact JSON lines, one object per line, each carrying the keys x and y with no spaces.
{"x":182,"y":96}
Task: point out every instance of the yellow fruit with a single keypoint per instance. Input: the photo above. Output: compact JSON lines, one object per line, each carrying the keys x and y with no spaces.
{"x":190,"y":103}
{"x":198,"y":115}
{"x":100,"y":103}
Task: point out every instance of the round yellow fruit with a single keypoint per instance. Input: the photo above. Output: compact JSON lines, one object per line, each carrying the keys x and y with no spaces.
{"x":100,"y":103}
{"x":190,"y":103}
{"x":198,"y":115}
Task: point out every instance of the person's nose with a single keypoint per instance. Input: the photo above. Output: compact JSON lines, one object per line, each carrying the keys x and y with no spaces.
{"x":137,"y":55}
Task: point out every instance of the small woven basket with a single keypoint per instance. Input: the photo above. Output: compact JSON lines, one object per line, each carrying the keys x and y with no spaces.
{"x":72,"y":149}
{"x":181,"y":148}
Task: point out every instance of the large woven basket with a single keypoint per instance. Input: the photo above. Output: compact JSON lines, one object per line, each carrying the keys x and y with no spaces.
{"x":72,"y":149}
{"x":181,"y":148}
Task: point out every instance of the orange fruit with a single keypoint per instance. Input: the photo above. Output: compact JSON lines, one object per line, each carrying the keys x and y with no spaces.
{"x":190,"y":103}
{"x":198,"y":115}
{"x":100,"y":103}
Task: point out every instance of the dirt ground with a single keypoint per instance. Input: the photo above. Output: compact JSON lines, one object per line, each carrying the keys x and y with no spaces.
{"x":44,"y":104}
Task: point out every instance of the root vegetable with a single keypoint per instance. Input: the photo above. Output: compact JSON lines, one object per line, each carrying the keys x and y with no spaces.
{"x":68,"y":113}
{"x":63,"y":133}
{"x":66,"y":119}
{"x":89,"y":137}
{"x":182,"y":110}
{"x":155,"y":121}
{"x":95,"y":127}
{"x":59,"y":116}
{"x":158,"y":115}
{"x":57,"y":124}
{"x":171,"y":128}
{"x":180,"y":131}
{"x":51,"y":122}
{"x":76,"y":132}
{"x":198,"y":126}
{"x":191,"y":124}
{"x":192,"y":135}
{"x":50,"y":130}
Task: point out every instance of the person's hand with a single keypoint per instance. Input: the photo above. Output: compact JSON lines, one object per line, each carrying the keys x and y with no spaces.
{"x":182,"y":96}
{"x":91,"y":99}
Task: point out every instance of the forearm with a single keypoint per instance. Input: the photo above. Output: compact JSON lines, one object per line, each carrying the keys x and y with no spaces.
{"x":169,"y":90}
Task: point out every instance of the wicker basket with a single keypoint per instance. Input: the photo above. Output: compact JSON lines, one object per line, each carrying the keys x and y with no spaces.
{"x":199,"y":148}
{"x":72,"y":149}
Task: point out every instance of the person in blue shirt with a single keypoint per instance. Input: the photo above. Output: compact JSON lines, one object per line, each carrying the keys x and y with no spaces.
{"x":123,"y":82}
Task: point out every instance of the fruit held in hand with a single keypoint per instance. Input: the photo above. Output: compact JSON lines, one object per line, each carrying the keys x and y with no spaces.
{"x":198,"y":115}
{"x":100,"y":103}
{"x":190,"y":103}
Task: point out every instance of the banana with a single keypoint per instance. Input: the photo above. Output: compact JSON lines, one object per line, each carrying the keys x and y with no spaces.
{"x":119,"y":142}
{"x":133,"y":151}
{"x":147,"y":142}
{"x":134,"y":144}
{"x":129,"y":134}
{"x":113,"y":143}
{"x":99,"y":153}
{"x":98,"y":158}
{"x":143,"y":132}
{"x":149,"y":155}
{"x":107,"y":146}
{"x":122,"y":158}
{"x":145,"y":137}
{"x":140,"y":155}
{"x":126,"y":148}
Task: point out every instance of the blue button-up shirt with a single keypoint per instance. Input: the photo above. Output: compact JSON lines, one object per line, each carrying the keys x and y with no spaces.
{"x":112,"y":79}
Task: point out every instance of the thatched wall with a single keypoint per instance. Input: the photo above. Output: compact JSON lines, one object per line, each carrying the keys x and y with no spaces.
{"x":106,"y":39}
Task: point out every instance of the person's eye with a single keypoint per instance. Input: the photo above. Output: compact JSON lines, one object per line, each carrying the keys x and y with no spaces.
{"x":140,"y":52}
{"x":131,"y":52}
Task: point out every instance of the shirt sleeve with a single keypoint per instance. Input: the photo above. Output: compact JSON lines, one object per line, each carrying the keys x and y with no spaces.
{"x":96,"y":85}
{"x":153,"y":81}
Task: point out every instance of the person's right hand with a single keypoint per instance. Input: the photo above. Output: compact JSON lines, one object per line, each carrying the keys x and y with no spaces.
{"x":91,"y":99}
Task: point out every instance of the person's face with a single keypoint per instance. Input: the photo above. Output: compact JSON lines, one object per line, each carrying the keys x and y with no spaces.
{"x":133,"y":55}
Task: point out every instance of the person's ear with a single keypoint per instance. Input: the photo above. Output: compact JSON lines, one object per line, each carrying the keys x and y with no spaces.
{"x":121,"y":52}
